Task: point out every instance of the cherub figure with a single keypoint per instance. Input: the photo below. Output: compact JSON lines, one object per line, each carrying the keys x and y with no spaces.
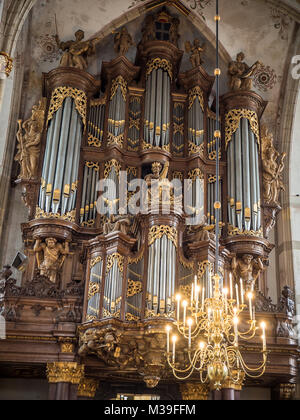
{"x":121,"y":223}
{"x":196,"y":51}
{"x":246,"y":268}
{"x":76,"y":52}
{"x":240,"y":73}
{"x":122,"y":42}
{"x":50,"y":257}
{"x":29,"y":142}
{"x":273,"y":166}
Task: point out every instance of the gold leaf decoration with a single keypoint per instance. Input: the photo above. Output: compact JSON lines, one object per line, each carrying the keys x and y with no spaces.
{"x":156,"y":232}
{"x":232,"y":122}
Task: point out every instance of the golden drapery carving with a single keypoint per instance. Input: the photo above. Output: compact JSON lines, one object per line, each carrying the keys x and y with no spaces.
{"x":63,"y":92}
{"x":129,"y":317}
{"x":203,"y":266}
{"x":116,"y":83}
{"x":134,"y":288}
{"x":118,"y":140}
{"x":213,"y":178}
{"x":94,"y":288}
{"x":196,"y":93}
{"x":111,"y":259}
{"x":41,"y":214}
{"x":159,"y":63}
{"x":156,"y":232}
{"x":195,"y":174}
{"x":95,"y":261}
{"x":232,"y":231}
{"x":148,"y":146}
{"x":93,"y":165}
{"x":87,"y":388}
{"x":109,"y":165}
{"x":233,"y":120}
{"x":194,"y":149}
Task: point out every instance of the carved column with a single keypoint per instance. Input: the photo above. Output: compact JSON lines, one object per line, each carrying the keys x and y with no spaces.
{"x":87,"y":389}
{"x":194,"y":391}
{"x":64,"y":378}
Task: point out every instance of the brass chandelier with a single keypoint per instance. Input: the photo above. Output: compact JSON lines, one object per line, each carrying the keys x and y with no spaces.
{"x":209,"y":320}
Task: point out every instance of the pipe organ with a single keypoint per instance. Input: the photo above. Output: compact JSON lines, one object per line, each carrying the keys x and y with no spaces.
{"x":145,"y":121}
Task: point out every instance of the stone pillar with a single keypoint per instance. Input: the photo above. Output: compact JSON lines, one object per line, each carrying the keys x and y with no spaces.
{"x":87,"y":389}
{"x":63,"y":377}
{"x":194,"y":391}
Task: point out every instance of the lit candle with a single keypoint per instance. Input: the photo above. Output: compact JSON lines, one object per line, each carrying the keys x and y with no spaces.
{"x":210,"y":285}
{"x":190,"y":323}
{"x":263,"y":327}
{"x":192,"y":294}
{"x":203,"y":293}
{"x":184,"y":304}
{"x":236,"y":337}
{"x":250,"y":304}
{"x":242,"y":291}
{"x":174,"y":339}
{"x":237,"y":295}
{"x":198,"y":290}
{"x":230,"y":285}
{"x":225,"y":292}
{"x":168,"y":329}
{"x":178,"y":298}
{"x":195,"y":282}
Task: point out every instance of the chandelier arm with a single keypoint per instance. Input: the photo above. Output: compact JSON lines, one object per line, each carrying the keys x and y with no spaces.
{"x":248,"y":369}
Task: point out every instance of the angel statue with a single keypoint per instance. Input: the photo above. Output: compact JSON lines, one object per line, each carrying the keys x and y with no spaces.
{"x":50,"y":257}
{"x":29,"y":141}
{"x":240,"y":73}
{"x":273,"y":166}
{"x":246,"y":268}
{"x":196,"y":51}
{"x":122,"y":42}
{"x":76,"y":52}
{"x":157,"y":182}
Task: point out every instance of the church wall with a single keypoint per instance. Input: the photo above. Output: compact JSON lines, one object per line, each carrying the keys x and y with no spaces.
{"x":23,"y":389}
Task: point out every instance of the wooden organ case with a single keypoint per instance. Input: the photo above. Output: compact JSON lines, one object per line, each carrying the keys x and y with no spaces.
{"x":100,"y":284}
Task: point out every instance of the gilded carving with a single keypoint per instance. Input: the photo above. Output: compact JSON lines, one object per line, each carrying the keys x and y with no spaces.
{"x":233,"y":120}
{"x":148,"y":146}
{"x":156,"y":232}
{"x":202,"y":231}
{"x":240,"y":73}
{"x":87,"y":388}
{"x":159,"y":63}
{"x":194,"y":391}
{"x":50,"y":256}
{"x":111,"y":259}
{"x":233,"y":231}
{"x":94,"y":288}
{"x":95,"y":261}
{"x":194,"y":149}
{"x":41,"y":214}
{"x":63,"y":92}
{"x":122,"y":42}
{"x":195,"y":174}
{"x":109,"y":165}
{"x":76,"y":52}
{"x":196,"y":93}
{"x":6,"y":63}
{"x":116,"y":83}
{"x":273,"y":166}
{"x":29,"y":143}
{"x":69,"y":372}
{"x":134,"y":288}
